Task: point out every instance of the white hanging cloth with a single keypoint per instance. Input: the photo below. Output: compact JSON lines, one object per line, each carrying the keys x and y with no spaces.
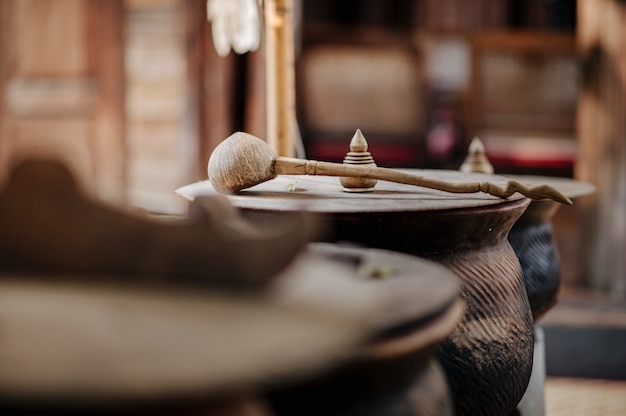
{"x":235,"y":24}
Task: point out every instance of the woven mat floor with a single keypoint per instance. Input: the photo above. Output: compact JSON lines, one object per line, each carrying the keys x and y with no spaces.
{"x":584,"y":397}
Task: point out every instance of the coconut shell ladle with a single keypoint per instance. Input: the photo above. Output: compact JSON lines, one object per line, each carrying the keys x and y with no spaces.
{"x":243,"y":160}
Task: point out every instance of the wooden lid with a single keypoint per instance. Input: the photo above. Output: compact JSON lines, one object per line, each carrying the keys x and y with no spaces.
{"x":76,"y":341}
{"x":324,"y":194}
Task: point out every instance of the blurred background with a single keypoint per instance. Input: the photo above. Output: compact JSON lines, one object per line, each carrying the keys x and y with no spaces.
{"x":133,"y":96}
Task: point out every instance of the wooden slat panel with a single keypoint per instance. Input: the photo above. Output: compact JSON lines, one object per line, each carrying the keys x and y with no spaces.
{"x":376,"y":89}
{"x":160,"y":112}
{"x":62,"y":60}
{"x":524,"y":81}
{"x":52,"y":97}
{"x":525,"y":41}
{"x":154,"y":141}
{"x":49,"y":36}
{"x":456,"y":15}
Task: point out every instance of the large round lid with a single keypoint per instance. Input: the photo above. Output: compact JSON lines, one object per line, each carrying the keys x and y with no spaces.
{"x":70,"y":340}
{"x":324,"y":194}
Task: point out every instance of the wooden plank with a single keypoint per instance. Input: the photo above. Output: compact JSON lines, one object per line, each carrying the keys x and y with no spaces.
{"x":525,"y":41}
{"x":348,"y":87}
{"x":459,"y":15}
{"x":52,"y":96}
{"x":160,"y":113}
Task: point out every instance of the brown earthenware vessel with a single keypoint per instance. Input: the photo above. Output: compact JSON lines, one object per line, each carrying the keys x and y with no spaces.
{"x":488,"y":358}
{"x":533,"y":240}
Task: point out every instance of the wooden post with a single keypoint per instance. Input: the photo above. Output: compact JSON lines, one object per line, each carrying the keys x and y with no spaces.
{"x":602,"y":142}
{"x":214,"y":78}
{"x":280,"y":78}
{"x":108,"y":143}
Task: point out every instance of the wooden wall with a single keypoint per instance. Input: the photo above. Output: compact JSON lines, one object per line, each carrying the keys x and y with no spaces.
{"x":602,"y":143}
{"x":160,"y":146}
{"x":130,"y":94}
{"x":61,"y":88}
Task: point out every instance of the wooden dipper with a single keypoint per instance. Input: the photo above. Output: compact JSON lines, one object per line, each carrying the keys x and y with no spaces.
{"x":243,"y":160}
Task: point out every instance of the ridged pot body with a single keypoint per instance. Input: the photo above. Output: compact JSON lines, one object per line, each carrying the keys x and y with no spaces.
{"x":532,"y":239}
{"x":488,"y":358}
{"x":536,"y":249}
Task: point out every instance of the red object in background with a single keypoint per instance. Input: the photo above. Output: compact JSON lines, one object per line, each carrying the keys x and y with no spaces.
{"x":385,"y":154}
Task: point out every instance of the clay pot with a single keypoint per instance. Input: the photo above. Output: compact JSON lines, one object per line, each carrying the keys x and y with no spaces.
{"x":488,"y":358}
{"x":532,"y":239}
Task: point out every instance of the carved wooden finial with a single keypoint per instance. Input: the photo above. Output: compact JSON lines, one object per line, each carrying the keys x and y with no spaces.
{"x":358,"y":155}
{"x":476,"y":160}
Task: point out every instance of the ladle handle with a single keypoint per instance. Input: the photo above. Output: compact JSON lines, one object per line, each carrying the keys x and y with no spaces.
{"x":292,"y":166}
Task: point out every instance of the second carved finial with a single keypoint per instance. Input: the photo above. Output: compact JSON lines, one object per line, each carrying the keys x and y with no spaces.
{"x":358,"y":155}
{"x":476,"y":160}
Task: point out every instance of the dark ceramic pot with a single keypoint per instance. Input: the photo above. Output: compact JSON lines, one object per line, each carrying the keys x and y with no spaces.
{"x":487,"y":360}
{"x":533,"y":239}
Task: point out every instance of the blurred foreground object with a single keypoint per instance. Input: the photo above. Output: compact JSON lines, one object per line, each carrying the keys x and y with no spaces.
{"x":82,"y":345}
{"x":487,"y":359}
{"x":104,"y":311}
{"x":48,"y":225}
{"x":107,"y":309}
